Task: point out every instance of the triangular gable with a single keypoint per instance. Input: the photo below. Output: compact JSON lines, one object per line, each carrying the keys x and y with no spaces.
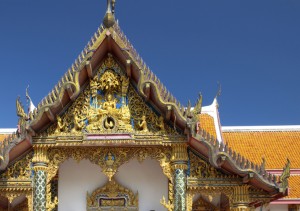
{"x":108,"y":40}
{"x":109,"y":104}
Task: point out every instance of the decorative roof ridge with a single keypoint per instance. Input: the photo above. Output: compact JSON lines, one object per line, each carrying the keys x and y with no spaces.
{"x":69,"y":75}
{"x":271,"y":128}
{"x":221,"y":152}
{"x":147,"y":74}
{"x":6,"y":145}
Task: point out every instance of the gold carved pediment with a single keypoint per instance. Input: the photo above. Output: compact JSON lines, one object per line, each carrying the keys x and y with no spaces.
{"x":200,"y":168}
{"x":109,"y":104}
{"x":112,"y":195}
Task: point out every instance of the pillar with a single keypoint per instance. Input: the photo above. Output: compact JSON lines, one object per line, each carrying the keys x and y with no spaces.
{"x":179,"y":166}
{"x":40,"y":163}
{"x":241,"y":198}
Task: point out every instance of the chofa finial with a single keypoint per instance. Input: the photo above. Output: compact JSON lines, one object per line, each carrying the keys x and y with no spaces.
{"x":219,"y":90}
{"x":109,"y":18}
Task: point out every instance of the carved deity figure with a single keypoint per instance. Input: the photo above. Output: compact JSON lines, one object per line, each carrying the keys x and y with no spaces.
{"x":60,"y":125}
{"x":142,"y":125}
{"x":109,"y":159}
{"x":78,"y":124}
{"x":110,"y":103}
{"x":161,"y":124}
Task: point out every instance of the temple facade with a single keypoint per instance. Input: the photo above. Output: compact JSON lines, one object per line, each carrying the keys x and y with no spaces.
{"x":110,"y":136}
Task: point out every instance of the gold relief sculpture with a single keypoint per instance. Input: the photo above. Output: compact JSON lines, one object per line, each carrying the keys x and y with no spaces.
{"x":21,"y":170}
{"x":202,"y":204}
{"x":13,"y":193}
{"x":109,"y":171}
{"x":138,"y":108}
{"x":109,"y":159}
{"x":61,"y":126}
{"x":168,"y":205}
{"x":109,"y":104}
{"x":16,"y":181}
{"x":160,"y":124}
{"x":50,"y":204}
{"x":142,"y":125}
{"x":78,"y":124}
{"x":112,"y":195}
{"x":201,"y":169}
{"x":142,"y":155}
{"x":94,"y":87}
{"x":109,"y":82}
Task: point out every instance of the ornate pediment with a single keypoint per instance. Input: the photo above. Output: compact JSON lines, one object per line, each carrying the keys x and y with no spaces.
{"x":112,"y":196}
{"x":109,"y":104}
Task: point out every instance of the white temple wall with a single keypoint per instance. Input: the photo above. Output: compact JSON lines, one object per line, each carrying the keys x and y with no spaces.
{"x":75,"y":179}
{"x":273,"y":207}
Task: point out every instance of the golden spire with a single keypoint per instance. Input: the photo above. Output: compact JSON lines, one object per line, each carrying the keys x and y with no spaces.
{"x":109,"y":18}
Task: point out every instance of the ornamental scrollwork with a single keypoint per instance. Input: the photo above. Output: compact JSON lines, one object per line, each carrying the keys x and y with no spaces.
{"x":109,"y":159}
{"x":112,"y":195}
{"x":201,"y":169}
{"x":20,"y":170}
{"x":109,"y":104}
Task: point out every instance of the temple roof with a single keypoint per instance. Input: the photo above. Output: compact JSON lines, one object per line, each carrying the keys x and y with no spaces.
{"x":112,"y":41}
{"x":207,"y":123}
{"x":275,"y":145}
{"x":294,"y":190}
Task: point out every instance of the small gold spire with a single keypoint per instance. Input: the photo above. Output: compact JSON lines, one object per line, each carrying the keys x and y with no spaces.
{"x":109,"y":18}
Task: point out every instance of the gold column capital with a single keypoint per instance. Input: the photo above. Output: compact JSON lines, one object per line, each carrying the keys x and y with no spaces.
{"x":40,"y":157}
{"x":179,"y":157}
{"x":241,"y":198}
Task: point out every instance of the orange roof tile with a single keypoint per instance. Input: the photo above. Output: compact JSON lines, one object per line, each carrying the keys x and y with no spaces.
{"x":207,"y":124}
{"x":294,"y":190}
{"x":275,"y":146}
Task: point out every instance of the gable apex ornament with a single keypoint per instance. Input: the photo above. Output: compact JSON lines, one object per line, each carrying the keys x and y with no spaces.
{"x":109,"y":18}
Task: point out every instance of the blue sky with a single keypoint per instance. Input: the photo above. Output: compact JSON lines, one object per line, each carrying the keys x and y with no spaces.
{"x":251,"y":47}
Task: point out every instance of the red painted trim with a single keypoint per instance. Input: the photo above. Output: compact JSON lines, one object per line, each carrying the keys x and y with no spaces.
{"x":279,"y":171}
{"x":286,"y":201}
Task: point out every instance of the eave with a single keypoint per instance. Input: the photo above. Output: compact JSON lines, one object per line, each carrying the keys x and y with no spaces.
{"x":226,"y":159}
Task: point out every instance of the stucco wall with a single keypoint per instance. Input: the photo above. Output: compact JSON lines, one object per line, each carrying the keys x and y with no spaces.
{"x":273,"y":207}
{"x":75,"y":179}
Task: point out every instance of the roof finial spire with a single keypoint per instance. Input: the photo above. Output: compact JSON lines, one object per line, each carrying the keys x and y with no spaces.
{"x":219,"y":90}
{"x":109,"y":18}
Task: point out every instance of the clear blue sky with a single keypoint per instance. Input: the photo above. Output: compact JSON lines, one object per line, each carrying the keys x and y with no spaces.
{"x":251,"y":47}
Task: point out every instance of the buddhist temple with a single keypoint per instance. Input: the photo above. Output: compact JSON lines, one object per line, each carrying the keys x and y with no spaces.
{"x":110,"y":136}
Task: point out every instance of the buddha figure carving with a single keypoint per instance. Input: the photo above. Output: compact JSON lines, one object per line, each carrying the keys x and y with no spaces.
{"x":110,"y":103}
{"x":109,"y":159}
